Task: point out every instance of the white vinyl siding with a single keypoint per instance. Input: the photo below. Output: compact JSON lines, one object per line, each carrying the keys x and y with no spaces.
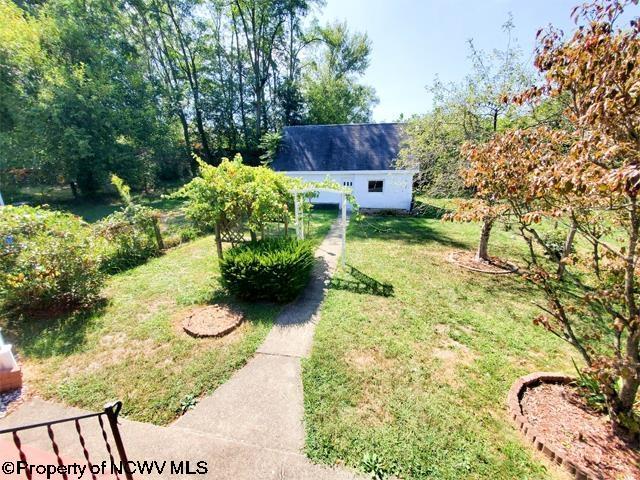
{"x":397,"y":187}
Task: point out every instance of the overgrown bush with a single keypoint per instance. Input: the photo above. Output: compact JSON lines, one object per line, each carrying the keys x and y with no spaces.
{"x":129,"y":241}
{"x":47,"y":260}
{"x":274,"y":269}
{"x":130,"y":236}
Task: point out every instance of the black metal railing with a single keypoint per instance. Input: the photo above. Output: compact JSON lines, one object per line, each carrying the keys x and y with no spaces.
{"x":111,"y":412}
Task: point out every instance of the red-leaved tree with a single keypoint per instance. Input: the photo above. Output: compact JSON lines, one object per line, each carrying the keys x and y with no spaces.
{"x":586,"y":178}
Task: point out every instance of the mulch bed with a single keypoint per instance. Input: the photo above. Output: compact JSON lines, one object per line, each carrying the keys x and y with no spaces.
{"x":577,"y":434}
{"x":494,"y":266}
{"x":11,"y":400}
{"x":212,"y":320}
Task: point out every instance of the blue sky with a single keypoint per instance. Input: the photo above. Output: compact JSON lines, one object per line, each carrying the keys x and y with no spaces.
{"x":415,"y":40}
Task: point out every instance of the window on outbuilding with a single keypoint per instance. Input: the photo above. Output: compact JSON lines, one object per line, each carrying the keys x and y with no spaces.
{"x":376,"y":186}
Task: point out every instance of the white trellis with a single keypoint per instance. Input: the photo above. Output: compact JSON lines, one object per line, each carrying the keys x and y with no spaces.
{"x":299,"y":214}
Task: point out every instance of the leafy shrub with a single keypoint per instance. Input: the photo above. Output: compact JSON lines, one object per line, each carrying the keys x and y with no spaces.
{"x":181,"y":235}
{"x":274,"y":269}
{"x":189,"y":234}
{"x":129,"y":241}
{"x":130,"y":235}
{"x":554,"y":241}
{"x":47,"y":259}
{"x":589,"y":389}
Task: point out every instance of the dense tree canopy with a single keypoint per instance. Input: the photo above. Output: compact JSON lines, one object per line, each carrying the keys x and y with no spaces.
{"x":135,"y":87}
{"x":332,"y":92}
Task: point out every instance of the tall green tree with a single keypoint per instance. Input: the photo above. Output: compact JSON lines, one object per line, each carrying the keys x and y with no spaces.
{"x":136,"y":87}
{"x":332,"y":92}
{"x":89,"y":110}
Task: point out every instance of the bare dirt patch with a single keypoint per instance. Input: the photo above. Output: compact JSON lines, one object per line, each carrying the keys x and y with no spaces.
{"x":364,"y":359}
{"x":494,"y":266}
{"x":451,"y":355}
{"x":584,"y":437}
{"x":212,"y":320}
{"x":372,"y":368}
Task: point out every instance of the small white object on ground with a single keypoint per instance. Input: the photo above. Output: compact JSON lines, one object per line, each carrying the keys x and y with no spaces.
{"x":7,"y":361}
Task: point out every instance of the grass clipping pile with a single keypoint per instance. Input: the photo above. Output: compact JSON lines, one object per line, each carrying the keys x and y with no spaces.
{"x":212,"y":320}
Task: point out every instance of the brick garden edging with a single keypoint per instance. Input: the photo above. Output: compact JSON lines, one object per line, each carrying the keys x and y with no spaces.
{"x":515,"y":412}
{"x":10,"y":380}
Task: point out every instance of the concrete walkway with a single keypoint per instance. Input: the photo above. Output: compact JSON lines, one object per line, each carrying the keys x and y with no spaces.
{"x":249,"y":428}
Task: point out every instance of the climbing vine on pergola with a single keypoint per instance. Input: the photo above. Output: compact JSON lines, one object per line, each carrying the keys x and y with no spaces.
{"x":301,"y":194}
{"x":233,"y":198}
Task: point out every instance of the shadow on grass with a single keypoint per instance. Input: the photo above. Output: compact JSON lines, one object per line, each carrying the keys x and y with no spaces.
{"x":426,"y":210}
{"x":412,"y":230}
{"x":255,"y":312}
{"x":39,"y":336}
{"x":361,"y":283}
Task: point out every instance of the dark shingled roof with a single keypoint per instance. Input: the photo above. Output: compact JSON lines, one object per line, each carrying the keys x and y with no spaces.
{"x":372,"y":146}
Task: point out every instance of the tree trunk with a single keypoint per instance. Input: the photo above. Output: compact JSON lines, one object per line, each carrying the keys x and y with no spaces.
{"x":566,"y":250}
{"x":218,"y":241}
{"x":596,"y":258}
{"x":202,"y":132}
{"x":243,"y":115}
{"x":482,"y":254}
{"x":74,"y":190}
{"x":623,"y":413}
{"x":258,"y":114}
{"x":630,"y":385}
{"x":193,"y":165}
{"x":158,"y":234}
{"x":529,"y":241}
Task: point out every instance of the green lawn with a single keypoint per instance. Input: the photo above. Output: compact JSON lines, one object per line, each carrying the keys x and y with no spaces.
{"x":133,"y":349}
{"x":415,"y":384}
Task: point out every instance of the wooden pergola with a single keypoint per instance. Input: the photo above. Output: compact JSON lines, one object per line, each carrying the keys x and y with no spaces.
{"x":299,"y":214}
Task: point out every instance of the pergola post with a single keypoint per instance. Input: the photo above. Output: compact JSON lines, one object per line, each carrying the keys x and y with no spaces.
{"x":299,"y":215}
{"x":299,"y":226}
{"x":343,"y":205}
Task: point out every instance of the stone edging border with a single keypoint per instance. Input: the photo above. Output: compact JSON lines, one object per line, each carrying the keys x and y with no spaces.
{"x":220,"y":333}
{"x":451,"y":259}
{"x":515,"y":412}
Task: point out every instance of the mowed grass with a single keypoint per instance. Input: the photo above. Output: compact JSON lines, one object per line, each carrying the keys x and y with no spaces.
{"x":415,"y":384}
{"x":132,"y":347}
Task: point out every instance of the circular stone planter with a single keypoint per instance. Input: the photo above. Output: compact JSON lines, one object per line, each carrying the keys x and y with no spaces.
{"x":502,"y":268}
{"x":515,"y":412}
{"x":212,"y":321}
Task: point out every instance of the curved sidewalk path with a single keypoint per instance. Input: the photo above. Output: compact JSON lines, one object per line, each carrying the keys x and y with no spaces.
{"x":249,"y":428}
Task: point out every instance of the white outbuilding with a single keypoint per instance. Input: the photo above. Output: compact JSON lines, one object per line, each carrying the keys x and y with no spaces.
{"x":360,"y":156}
